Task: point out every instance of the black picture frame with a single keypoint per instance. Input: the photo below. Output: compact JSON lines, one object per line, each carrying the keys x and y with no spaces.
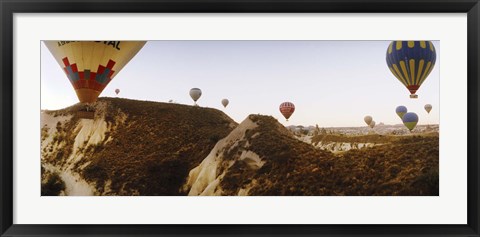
{"x":9,"y":7}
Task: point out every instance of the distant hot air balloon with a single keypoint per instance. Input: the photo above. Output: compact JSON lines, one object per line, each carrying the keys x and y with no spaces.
{"x":225,"y":102}
{"x":91,"y":65}
{"x":372,"y":124}
{"x":368,"y":119}
{"x":117,"y":91}
{"x":428,"y":108}
{"x":287,"y":109}
{"x":411,"y":62}
{"x":401,"y":110}
{"x":410,"y":120}
{"x":195,"y":93}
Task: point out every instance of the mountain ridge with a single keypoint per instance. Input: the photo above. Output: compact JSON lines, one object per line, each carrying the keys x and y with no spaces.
{"x":149,"y":148}
{"x":132,"y":143}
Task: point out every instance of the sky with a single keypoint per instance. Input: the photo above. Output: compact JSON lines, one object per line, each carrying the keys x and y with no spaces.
{"x":331,"y":83}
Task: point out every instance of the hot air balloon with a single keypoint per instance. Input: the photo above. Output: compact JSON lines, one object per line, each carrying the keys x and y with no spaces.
{"x":401,"y":110}
{"x":117,"y":91}
{"x":368,"y":119}
{"x":287,"y":109}
{"x":225,"y":102}
{"x":410,"y":120}
{"x":428,"y":108}
{"x":411,"y":62}
{"x":195,"y":93}
{"x":372,"y":124}
{"x":91,"y":65}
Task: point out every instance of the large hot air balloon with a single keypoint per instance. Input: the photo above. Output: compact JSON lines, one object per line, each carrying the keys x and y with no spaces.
{"x":428,"y":108}
{"x":410,"y":120}
{"x":401,"y":110}
{"x":368,"y":119}
{"x":225,"y":102}
{"x":91,"y":65}
{"x":117,"y":91}
{"x":411,"y":62}
{"x":372,"y":124}
{"x":195,"y":93}
{"x":287,"y":109}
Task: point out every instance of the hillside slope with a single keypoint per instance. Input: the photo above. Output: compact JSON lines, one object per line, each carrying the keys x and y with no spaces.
{"x":130,"y":148}
{"x":261,"y":157}
{"x":338,"y":142}
{"x":150,"y":148}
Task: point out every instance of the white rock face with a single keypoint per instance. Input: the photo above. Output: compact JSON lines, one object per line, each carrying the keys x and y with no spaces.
{"x":205,"y":179}
{"x":74,"y":185}
{"x":252,"y":159}
{"x":87,"y":132}
{"x":49,"y":123}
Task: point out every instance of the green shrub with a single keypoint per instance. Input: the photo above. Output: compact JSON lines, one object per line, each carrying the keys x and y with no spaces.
{"x":53,"y":185}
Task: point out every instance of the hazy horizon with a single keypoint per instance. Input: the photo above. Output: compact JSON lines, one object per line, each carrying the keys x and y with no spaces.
{"x":331,"y":83}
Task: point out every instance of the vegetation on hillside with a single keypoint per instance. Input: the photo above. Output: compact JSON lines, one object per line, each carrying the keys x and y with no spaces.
{"x":406,"y":166}
{"x":52,"y":184}
{"x":149,"y":148}
{"x":370,"y":138}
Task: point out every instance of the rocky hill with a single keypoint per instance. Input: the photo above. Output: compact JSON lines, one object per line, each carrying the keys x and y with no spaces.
{"x":130,"y":148}
{"x":261,"y":157}
{"x":151,"y":148}
{"x":339,"y":142}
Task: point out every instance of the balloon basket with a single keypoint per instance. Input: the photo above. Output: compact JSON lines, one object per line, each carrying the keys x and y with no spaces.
{"x":86,"y":114}
{"x":413,"y":96}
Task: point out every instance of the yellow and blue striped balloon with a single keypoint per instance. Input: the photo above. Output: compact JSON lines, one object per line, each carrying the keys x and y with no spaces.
{"x":401,"y":110}
{"x":411,"y":62}
{"x":410,"y":120}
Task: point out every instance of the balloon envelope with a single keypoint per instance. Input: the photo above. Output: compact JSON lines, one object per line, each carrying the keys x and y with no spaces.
{"x":225,"y":102}
{"x":195,"y":93}
{"x":410,"y":120}
{"x":372,"y":124}
{"x":428,"y":108}
{"x":287,"y":109}
{"x":117,"y":91}
{"x":401,"y":110}
{"x":368,"y":119}
{"x":411,"y":62}
{"x":91,"y":65}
